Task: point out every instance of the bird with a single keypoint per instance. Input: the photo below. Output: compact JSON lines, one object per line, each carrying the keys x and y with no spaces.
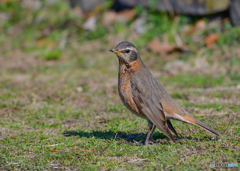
{"x":144,"y":96}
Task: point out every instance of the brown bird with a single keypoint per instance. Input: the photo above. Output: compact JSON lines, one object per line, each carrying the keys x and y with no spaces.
{"x":143,"y":95}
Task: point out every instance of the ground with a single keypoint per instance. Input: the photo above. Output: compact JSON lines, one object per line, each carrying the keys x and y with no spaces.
{"x":59,"y":104}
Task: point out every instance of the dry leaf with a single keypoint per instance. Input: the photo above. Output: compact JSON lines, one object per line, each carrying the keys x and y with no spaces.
{"x":211,"y":39}
{"x":156,"y":46}
{"x":126,"y":15}
{"x":199,"y":25}
{"x":90,"y":24}
{"x":123,"y":16}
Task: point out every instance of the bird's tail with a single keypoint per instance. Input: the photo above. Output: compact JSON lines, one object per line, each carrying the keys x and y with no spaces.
{"x":194,"y":121}
{"x":206,"y":127}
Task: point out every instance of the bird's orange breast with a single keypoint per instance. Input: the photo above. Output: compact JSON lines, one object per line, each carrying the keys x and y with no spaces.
{"x":124,"y":89}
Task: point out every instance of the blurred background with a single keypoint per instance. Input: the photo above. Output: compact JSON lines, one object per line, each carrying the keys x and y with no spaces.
{"x":37,"y":34}
{"x":56,"y":71}
{"x":72,"y":38}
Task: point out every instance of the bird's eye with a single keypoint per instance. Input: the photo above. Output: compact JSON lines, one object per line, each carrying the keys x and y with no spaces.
{"x":127,"y":51}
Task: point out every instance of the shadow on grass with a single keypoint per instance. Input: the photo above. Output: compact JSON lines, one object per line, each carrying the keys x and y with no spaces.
{"x":138,"y":138}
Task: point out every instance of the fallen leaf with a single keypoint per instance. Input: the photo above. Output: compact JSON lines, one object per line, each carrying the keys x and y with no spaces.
{"x":199,"y":25}
{"x":126,"y":15}
{"x":156,"y":46}
{"x":90,"y":24}
{"x":110,"y":16}
{"x":211,"y":39}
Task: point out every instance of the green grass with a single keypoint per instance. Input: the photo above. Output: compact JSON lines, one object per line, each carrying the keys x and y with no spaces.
{"x":43,"y":141}
{"x":59,"y":105}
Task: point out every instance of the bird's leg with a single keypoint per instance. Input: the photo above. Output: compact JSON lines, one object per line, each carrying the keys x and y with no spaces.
{"x":150,"y":125}
{"x":154,"y":127}
{"x":148,"y":135}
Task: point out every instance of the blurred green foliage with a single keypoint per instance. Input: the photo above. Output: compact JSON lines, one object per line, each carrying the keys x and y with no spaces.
{"x":49,"y":21}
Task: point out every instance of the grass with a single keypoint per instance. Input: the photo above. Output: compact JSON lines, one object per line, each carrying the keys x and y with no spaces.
{"x":60,"y":109}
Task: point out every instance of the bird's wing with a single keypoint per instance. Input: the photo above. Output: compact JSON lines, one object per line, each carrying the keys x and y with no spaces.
{"x":147,"y":97}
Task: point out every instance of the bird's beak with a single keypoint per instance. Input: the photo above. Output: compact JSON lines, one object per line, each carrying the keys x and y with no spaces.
{"x":114,"y":51}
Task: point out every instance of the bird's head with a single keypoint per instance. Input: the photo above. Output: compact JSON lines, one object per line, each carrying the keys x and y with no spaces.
{"x":126,"y":53}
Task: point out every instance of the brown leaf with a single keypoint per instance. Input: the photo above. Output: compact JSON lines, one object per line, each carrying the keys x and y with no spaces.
{"x":199,"y":25}
{"x":123,"y":16}
{"x":126,"y":15}
{"x":156,"y":46}
{"x":211,"y":39}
